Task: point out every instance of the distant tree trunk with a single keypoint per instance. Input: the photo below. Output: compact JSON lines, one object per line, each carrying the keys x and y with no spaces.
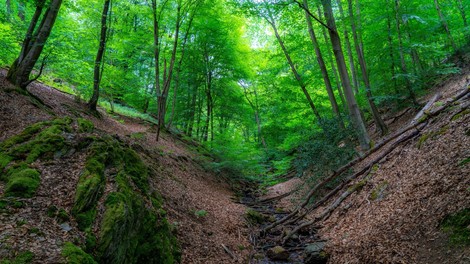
{"x":379,"y":123}
{"x":297,"y":76}
{"x":332,"y":63}
{"x":33,"y":43}
{"x":167,"y":79}
{"x":321,"y":63}
{"x":21,"y":9}
{"x":178,"y":68}
{"x":192,"y":112}
{"x":8,"y":9}
{"x":404,"y":70}
{"x":348,"y":49}
{"x":444,"y":24}
{"x":255,"y":107}
{"x":391,"y":54}
{"x":462,"y":12}
{"x":353,"y":107}
{"x":99,"y":57}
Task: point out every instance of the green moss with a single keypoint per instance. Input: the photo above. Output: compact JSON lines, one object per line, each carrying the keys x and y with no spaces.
{"x":464,"y":162}
{"x":457,"y":226}
{"x":52,"y":211}
{"x":22,"y":258}
{"x":460,"y":115}
{"x":358,"y":186}
{"x":378,"y":192}
{"x":75,"y":255}
{"x":4,"y":161}
{"x":432,"y":135}
{"x":138,"y":135}
{"x":23,"y":183}
{"x":85,"y":125}
{"x":24,"y":136}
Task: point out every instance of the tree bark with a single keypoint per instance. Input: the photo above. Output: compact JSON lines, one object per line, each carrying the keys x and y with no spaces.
{"x":352,"y":67}
{"x":379,"y":123}
{"x":353,"y":107}
{"x":462,"y":12}
{"x":444,"y":24}
{"x":404,"y":70}
{"x":321,"y":63}
{"x":99,"y":57}
{"x":33,"y":43}
{"x":297,"y":76}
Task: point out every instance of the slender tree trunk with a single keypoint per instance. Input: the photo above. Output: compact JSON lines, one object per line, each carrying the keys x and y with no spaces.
{"x":21,"y":10}
{"x":8,"y":9}
{"x":192,"y":112}
{"x":462,"y":12}
{"x":297,"y":76}
{"x":167,"y":78}
{"x":352,"y":67}
{"x":391,"y":54}
{"x":404,"y":69}
{"x":33,"y":44}
{"x":379,"y":123}
{"x":332,"y":62}
{"x":321,"y":63}
{"x":353,"y":107}
{"x":99,"y":57}
{"x":444,"y":24}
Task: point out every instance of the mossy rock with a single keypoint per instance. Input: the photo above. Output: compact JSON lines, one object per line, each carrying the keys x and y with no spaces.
{"x":85,"y":125}
{"x":22,"y":258}
{"x":457,"y":226}
{"x":75,"y":255}
{"x":23,"y":183}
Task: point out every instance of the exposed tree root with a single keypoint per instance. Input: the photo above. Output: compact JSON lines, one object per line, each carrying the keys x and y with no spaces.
{"x":327,"y":212}
{"x":414,"y":124}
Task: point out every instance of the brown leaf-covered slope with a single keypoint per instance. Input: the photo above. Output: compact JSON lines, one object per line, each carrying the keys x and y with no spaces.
{"x":176,"y":173}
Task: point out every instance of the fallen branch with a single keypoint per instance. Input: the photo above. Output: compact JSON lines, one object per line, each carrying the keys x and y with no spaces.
{"x":326,"y":213}
{"x":228,"y":251}
{"x":384,"y":142}
{"x":426,"y":107}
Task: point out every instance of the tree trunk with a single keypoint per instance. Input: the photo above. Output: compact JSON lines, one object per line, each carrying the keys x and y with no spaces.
{"x":348,"y":49}
{"x":297,"y":76}
{"x":444,"y":24}
{"x":392,"y":57}
{"x":99,"y":57}
{"x":332,"y":63}
{"x":33,"y":43}
{"x":8,"y":9}
{"x":167,"y":78}
{"x":404,"y":70}
{"x":462,"y":12}
{"x":21,"y":10}
{"x":379,"y":123}
{"x":353,"y":107}
{"x":321,"y":63}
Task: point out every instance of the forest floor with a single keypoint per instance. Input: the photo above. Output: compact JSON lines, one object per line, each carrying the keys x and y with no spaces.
{"x":197,"y":201}
{"x":396,"y":214}
{"x":415,"y":187}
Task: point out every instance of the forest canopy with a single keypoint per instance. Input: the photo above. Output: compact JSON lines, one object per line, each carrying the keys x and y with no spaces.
{"x":254,"y":80}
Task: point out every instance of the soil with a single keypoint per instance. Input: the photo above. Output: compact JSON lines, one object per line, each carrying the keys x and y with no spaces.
{"x":177,"y":173}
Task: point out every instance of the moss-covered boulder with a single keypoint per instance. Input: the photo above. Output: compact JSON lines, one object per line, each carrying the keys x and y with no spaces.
{"x":85,"y":125}
{"x":75,"y":255}
{"x":23,"y":183}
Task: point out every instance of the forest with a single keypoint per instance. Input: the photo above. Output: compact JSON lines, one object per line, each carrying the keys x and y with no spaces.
{"x":268,"y":88}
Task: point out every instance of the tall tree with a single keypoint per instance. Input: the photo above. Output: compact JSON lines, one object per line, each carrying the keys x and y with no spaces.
{"x":271,"y":21}
{"x":444,"y":24}
{"x":97,"y":73}
{"x":33,"y":43}
{"x":321,"y":63}
{"x":354,"y":111}
{"x":379,"y":123}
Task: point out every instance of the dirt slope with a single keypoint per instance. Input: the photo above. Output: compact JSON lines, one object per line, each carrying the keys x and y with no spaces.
{"x":187,"y":188}
{"x":395,"y":217}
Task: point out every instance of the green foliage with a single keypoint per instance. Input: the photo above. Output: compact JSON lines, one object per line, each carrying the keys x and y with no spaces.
{"x":85,"y":125}
{"x":75,"y":255}
{"x":23,"y":183}
{"x":456,"y":225}
{"x":200,"y":213}
{"x":22,"y":258}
